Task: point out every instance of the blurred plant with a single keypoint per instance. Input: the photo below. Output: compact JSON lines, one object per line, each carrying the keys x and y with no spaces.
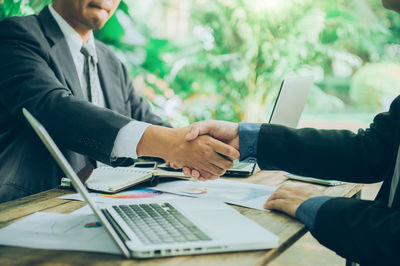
{"x":230,"y":62}
{"x":10,"y":8}
{"x":374,"y":86}
{"x":241,"y":50}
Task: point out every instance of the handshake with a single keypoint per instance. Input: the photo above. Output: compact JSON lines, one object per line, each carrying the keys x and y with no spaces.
{"x":205,"y":150}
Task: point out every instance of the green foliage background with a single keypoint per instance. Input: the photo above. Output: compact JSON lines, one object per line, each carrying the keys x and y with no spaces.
{"x":232,"y":63}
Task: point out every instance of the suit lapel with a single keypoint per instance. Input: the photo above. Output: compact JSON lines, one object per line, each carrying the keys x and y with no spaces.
{"x":60,"y":52}
{"x":108,"y":82}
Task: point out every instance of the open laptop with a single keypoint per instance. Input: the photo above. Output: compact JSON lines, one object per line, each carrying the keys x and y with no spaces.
{"x":287,"y":110}
{"x":156,"y":228}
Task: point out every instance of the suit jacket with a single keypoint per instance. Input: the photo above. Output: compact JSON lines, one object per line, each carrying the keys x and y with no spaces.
{"x":37,"y":72}
{"x":367,"y":232}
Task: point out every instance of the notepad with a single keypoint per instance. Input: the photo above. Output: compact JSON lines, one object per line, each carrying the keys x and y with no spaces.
{"x":114,"y":179}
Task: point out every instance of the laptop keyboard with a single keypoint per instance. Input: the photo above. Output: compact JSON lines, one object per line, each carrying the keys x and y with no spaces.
{"x":159,"y":223}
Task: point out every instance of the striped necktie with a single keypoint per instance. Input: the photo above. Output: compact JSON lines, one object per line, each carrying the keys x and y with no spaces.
{"x":90,"y":70}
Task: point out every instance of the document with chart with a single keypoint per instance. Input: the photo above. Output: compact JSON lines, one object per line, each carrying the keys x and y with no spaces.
{"x":233,"y":192}
{"x":58,"y":231}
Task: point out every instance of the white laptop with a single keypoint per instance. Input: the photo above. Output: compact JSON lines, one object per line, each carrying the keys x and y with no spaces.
{"x":288,"y":107}
{"x":292,"y":98}
{"x":158,"y":228}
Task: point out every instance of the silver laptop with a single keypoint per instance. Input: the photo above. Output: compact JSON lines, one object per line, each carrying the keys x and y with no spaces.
{"x":292,"y":98}
{"x":157,"y":228}
{"x":287,"y":110}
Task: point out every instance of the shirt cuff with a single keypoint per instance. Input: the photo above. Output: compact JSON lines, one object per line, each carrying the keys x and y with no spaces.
{"x":307,"y":211}
{"x":127,"y":140}
{"x":248,"y":139}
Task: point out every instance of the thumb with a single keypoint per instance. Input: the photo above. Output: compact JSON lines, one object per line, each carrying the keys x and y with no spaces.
{"x":197,"y":129}
{"x":193,"y":133}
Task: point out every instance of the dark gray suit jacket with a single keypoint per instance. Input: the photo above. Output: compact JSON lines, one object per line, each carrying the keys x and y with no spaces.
{"x":37,"y":72}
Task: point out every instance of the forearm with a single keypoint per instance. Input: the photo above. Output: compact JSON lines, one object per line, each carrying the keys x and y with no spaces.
{"x":157,"y":141}
{"x":335,"y":154}
{"x":366,"y":232}
{"x":80,"y":126}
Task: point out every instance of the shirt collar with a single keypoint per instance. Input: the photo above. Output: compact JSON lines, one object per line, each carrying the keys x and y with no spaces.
{"x":73,"y":39}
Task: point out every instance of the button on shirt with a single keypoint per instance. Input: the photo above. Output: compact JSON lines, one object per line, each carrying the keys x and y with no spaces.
{"x":248,"y":140}
{"x":129,"y":136}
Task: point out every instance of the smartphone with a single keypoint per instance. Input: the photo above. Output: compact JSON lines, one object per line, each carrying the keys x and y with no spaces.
{"x":151,"y":165}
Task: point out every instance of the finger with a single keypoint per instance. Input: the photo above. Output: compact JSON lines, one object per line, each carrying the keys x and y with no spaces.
{"x":214,"y":170}
{"x":212,"y":162}
{"x":277,"y":204}
{"x":199,"y":128}
{"x":186,"y":171}
{"x":195,"y":174}
{"x":221,"y":162}
{"x":189,"y":172}
{"x":226,"y":150}
{"x":216,"y":176}
{"x":172,"y":165}
{"x":281,"y":194}
{"x":207,"y":175}
{"x":193,"y":134}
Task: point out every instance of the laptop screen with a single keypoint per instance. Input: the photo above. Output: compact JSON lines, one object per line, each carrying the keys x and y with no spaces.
{"x":291,"y":100}
{"x":69,"y":172}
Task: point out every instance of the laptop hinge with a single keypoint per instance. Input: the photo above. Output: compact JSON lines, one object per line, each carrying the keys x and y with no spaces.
{"x":114,"y":224}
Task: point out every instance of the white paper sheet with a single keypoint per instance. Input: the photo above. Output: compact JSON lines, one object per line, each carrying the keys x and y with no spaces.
{"x":233,"y":192}
{"x":124,"y":197}
{"x":59,"y":232}
{"x":85,"y":210}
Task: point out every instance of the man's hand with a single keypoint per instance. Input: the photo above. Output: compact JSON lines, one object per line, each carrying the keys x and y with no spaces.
{"x":210,"y":157}
{"x":288,"y":197}
{"x":224,"y":131}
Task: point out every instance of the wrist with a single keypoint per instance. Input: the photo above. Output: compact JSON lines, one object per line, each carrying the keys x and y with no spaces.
{"x":156,"y":141}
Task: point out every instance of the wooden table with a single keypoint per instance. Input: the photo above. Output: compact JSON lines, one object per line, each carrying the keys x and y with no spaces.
{"x":289,"y":231}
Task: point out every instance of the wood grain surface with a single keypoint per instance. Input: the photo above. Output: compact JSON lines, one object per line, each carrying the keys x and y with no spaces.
{"x":288,"y":229}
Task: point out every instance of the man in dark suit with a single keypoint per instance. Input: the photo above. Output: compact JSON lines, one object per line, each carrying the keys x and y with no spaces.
{"x":367,"y":232}
{"x":77,"y":88}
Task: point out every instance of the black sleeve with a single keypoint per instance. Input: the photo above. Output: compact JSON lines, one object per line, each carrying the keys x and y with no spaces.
{"x":363,"y":231}
{"x":364,"y":157}
{"x":27,"y":80}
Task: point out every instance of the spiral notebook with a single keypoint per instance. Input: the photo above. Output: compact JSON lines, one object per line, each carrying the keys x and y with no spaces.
{"x":113,"y":179}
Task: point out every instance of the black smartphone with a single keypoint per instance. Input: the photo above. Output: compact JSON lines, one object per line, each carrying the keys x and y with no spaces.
{"x":150,"y":165}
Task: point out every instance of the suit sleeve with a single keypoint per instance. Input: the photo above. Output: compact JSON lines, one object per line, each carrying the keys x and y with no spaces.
{"x":333,"y":154}
{"x":363,"y":231}
{"x":27,"y":80}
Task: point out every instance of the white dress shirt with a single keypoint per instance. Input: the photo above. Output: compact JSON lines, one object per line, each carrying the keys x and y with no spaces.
{"x":129,"y":136}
